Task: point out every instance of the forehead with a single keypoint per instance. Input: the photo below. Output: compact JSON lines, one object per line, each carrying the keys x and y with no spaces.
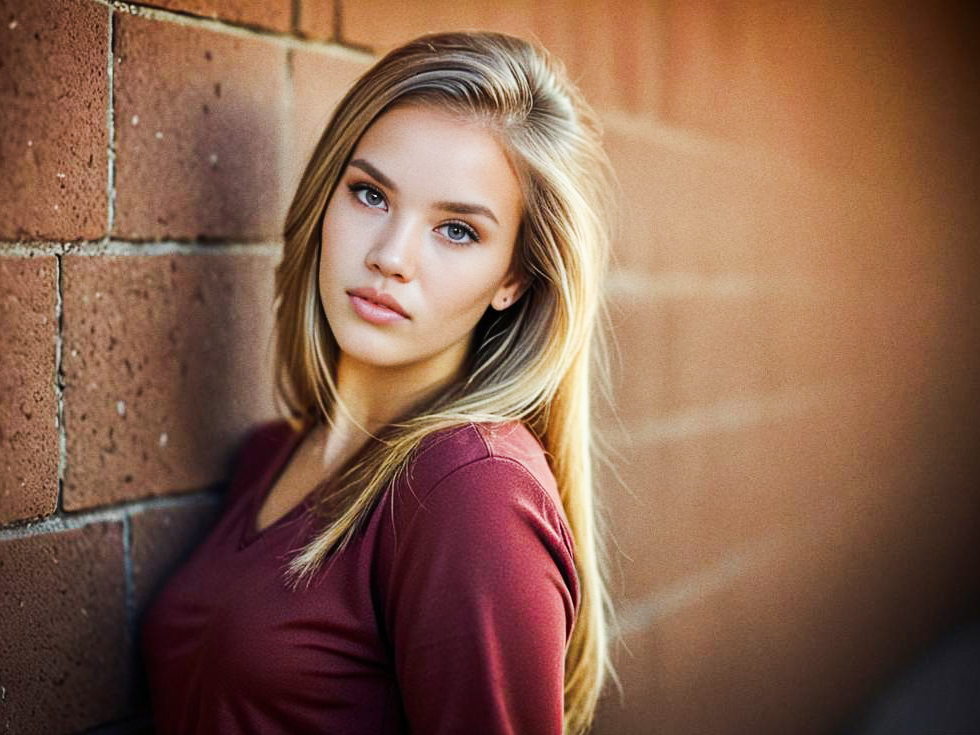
{"x":427,"y":151}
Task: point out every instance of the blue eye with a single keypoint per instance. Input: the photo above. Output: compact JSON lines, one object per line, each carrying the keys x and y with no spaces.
{"x":368,"y":196}
{"x":458,"y":232}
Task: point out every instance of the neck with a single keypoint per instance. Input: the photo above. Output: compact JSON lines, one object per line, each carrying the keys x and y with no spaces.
{"x":372,"y":396}
{"x":375,"y":396}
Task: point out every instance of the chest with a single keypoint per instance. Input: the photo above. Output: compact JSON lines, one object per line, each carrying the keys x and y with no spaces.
{"x":229,"y":627}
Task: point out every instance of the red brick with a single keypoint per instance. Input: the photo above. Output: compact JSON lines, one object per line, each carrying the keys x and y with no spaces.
{"x":640,"y":361}
{"x":692,"y":206}
{"x":867,"y":90}
{"x":611,"y":51}
{"x":372,"y":24}
{"x":636,"y":664}
{"x":28,"y":401}
{"x":852,"y":598}
{"x":883,"y":429}
{"x":632,"y":488}
{"x":319,"y":81}
{"x":53,"y":119}
{"x":199,"y":133}
{"x":887,"y":334}
{"x":685,"y":205}
{"x":719,"y":349}
{"x":840,"y":234}
{"x":316,"y":18}
{"x":64,"y":657}
{"x":842,"y":536}
{"x":702,"y":495}
{"x":166,"y":362}
{"x":274,"y":14}
{"x":162,"y":538}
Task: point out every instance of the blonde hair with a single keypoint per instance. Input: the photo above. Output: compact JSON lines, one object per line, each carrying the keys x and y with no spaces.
{"x":531,"y":362}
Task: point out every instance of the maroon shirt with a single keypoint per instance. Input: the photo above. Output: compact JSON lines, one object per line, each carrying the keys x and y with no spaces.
{"x":450,"y":612}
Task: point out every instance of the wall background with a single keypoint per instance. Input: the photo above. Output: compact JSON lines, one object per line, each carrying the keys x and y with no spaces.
{"x":795,"y":303}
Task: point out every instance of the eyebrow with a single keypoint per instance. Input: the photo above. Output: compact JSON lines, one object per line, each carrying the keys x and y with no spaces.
{"x":369,"y":169}
{"x":454,"y":207}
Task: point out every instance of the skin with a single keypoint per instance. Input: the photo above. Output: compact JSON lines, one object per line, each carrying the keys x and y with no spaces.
{"x":397,"y":236}
{"x":388,"y":227}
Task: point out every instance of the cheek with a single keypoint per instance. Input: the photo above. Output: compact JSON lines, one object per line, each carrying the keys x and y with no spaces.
{"x":329,"y":253}
{"x":465,"y":294}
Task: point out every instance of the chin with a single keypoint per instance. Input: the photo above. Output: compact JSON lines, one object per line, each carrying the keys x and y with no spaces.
{"x":369,"y":352}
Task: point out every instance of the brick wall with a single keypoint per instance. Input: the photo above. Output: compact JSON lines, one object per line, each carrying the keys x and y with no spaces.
{"x":794,"y":302}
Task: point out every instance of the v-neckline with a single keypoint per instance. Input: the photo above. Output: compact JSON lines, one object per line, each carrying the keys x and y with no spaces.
{"x":251,"y":533}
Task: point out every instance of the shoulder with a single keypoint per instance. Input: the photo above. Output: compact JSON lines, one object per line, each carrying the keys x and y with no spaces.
{"x":483,"y":451}
{"x":477,"y":520}
{"x":480,"y":471}
{"x":510,"y":443}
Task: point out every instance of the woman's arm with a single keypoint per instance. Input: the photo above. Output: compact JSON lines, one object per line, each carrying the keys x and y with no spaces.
{"x":482,"y":597}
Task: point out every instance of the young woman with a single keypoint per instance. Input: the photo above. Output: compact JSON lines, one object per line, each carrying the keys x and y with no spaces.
{"x":414,"y":549}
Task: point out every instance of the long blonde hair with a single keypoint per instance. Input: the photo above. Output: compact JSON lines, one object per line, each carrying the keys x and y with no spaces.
{"x":531,"y":362}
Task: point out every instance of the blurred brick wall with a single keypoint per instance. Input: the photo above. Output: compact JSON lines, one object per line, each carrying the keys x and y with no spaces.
{"x":794,"y":301}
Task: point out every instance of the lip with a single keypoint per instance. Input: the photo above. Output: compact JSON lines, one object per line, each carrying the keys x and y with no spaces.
{"x":378,"y":308}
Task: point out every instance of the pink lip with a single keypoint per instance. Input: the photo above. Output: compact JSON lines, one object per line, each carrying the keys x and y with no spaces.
{"x":377,"y":308}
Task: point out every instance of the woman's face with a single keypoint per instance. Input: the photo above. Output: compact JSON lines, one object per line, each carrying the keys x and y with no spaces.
{"x":424,"y":220}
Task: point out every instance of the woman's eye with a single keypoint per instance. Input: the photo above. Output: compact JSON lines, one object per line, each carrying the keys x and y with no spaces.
{"x":458,"y":232}
{"x":368,"y":196}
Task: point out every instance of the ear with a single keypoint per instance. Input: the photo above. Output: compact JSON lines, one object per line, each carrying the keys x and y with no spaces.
{"x":510,"y":292}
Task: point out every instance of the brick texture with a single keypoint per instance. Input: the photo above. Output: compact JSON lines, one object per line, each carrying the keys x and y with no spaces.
{"x":64,"y":661}
{"x":53,"y":119}
{"x":319,"y":81}
{"x":316,"y":18}
{"x":640,"y":361}
{"x":720,"y":350}
{"x":272,"y":14}
{"x":687,"y":205}
{"x":828,"y":85}
{"x":166,"y":364}
{"x":744,"y":614}
{"x":200,"y":120}
{"x":161,"y":539}
{"x":28,"y":402}
{"x":611,"y":50}
{"x":373,"y":25}
{"x":752,"y":224}
{"x":792,"y":478}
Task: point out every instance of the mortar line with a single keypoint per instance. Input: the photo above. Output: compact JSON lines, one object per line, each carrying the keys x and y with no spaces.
{"x":71,"y":520}
{"x":640,"y":615}
{"x":110,"y":246}
{"x":129,"y":588}
{"x":288,"y":39}
{"x":59,"y":382}
{"x":117,"y":247}
{"x":731,"y":414}
{"x":288,"y":179}
{"x":111,"y":123}
{"x":30,"y":249}
{"x":338,"y":20}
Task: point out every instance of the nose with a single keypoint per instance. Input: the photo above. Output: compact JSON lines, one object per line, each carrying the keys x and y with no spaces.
{"x":394,"y":253}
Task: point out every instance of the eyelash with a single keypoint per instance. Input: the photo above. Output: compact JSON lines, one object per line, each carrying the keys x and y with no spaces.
{"x":474,"y":236}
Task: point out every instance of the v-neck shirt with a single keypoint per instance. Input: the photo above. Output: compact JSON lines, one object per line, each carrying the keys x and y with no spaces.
{"x":449,"y":611}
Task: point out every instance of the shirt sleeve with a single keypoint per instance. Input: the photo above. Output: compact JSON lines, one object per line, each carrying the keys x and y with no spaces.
{"x":483,"y":598}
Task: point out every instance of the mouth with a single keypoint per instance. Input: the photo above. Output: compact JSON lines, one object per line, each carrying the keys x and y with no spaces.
{"x":375,"y":307}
